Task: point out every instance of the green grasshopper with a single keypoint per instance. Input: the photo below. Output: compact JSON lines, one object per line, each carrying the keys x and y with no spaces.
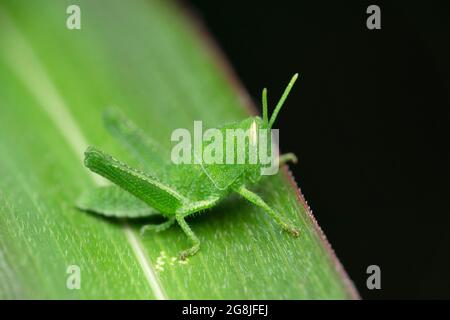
{"x":174,"y":191}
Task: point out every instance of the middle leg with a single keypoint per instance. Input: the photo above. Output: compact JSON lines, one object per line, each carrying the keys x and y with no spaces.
{"x":158,"y":227}
{"x":191,"y":235}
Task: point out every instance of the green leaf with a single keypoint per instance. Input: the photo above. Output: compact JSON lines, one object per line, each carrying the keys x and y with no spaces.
{"x":148,"y":59}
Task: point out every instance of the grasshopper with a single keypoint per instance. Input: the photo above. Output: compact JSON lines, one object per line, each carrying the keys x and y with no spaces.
{"x":174,"y":191}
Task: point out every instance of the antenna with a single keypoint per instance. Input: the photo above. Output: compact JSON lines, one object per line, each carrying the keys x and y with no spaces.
{"x":264,"y":105}
{"x":282,"y":99}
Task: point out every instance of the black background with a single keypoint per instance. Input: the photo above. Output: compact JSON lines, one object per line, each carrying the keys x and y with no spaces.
{"x":368,"y":119}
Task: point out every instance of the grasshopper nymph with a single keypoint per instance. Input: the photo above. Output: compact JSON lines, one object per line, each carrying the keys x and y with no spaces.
{"x":174,"y":191}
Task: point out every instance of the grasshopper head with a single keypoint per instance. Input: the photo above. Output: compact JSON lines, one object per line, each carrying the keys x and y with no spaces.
{"x":251,"y":147}
{"x":264,"y":139}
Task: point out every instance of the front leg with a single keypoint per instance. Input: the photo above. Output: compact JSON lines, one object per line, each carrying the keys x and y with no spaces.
{"x":287,"y":157}
{"x":255,"y":199}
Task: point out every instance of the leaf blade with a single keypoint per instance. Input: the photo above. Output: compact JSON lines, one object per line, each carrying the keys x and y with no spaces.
{"x":169,"y":72}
